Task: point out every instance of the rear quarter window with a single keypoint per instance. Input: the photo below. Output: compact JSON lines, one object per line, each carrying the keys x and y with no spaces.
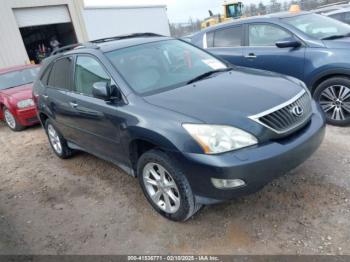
{"x":45,"y":76}
{"x":60,"y":75}
{"x":228,"y":37}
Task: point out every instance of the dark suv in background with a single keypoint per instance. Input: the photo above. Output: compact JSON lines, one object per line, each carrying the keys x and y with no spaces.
{"x":310,"y":47}
{"x":192,"y":129}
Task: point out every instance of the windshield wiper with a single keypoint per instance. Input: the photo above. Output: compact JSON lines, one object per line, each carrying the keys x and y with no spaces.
{"x":332,"y":37}
{"x":207,"y":74}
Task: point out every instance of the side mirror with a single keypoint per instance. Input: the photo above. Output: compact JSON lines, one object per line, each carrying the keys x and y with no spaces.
{"x":101,"y":90}
{"x":289,"y":42}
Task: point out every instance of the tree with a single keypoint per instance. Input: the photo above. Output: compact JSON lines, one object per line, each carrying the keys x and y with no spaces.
{"x":275,"y":6}
{"x":253,"y":10}
{"x":261,"y":9}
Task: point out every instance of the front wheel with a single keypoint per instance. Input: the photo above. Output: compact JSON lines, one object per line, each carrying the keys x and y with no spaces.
{"x":166,"y":187}
{"x":333,"y":95}
{"x":11,"y":121}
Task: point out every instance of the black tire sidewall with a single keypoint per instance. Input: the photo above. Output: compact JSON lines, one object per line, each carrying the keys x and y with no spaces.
{"x":66,"y":151}
{"x":187,"y":201}
{"x":324,"y":85}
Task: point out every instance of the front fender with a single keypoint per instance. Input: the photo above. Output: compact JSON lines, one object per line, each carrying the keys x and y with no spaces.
{"x":174,"y":140}
{"x":150,"y":136}
{"x":325,"y":72}
{"x":9,"y":103}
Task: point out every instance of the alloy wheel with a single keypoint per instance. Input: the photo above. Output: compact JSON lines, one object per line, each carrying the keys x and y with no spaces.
{"x":10,"y":119}
{"x":335,"y":102}
{"x":54,"y":139}
{"x":161,"y":188}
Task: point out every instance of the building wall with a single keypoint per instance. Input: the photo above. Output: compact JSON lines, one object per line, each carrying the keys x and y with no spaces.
{"x":12,"y":49}
{"x":113,"y":21}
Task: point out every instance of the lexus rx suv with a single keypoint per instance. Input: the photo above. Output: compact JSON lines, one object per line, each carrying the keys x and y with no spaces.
{"x":190,"y":127}
{"x":310,"y":47}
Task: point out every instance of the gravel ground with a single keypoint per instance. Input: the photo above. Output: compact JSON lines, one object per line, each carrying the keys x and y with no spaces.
{"x":87,"y":206}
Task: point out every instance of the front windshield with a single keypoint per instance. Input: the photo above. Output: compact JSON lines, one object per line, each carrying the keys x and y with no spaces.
{"x":153,"y":67}
{"x":318,"y":26}
{"x":18,"y":78}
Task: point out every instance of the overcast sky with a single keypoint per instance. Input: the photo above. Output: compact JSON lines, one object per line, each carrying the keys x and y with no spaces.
{"x":178,"y":10}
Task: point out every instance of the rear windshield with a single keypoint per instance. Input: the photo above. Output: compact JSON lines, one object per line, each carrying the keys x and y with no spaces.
{"x":18,"y":78}
{"x":154,"y":67}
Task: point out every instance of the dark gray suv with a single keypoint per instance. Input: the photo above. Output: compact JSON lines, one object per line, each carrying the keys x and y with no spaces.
{"x":194,"y":130}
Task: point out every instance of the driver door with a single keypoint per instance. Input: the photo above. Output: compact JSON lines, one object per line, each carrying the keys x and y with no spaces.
{"x":261,"y":51}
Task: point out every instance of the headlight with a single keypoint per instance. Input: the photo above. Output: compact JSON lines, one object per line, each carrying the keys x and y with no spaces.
{"x":25,"y":103}
{"x":215,"y":139}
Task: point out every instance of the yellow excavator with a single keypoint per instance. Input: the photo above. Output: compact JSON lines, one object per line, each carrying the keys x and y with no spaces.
{"x":232,"y":10}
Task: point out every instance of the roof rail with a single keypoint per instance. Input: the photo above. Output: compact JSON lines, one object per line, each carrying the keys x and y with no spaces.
{"x":333,"y":4}
{"x":114,"y":38}
{"x":73,"y":46}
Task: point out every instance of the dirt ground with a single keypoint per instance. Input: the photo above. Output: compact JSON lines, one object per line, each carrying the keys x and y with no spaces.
{"x":87,"y":206}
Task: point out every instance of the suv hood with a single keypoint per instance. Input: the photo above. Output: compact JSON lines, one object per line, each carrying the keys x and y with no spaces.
{"x":237,"y":94}
{"x":19,"y":92}
{"x":338,"y":43}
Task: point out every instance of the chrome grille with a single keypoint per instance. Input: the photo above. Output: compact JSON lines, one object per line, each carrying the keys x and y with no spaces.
{"x":288,"y":116}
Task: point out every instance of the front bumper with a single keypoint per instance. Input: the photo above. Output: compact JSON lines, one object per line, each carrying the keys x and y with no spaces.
{"x":257,"y":165}
{"x":27,"y":116}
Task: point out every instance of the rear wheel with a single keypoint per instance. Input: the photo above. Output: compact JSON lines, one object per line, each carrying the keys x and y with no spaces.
{"x":57,"y":142}
{"x":333,"y":95}
{"x":165,"y":186}
{"x":11,"y":121}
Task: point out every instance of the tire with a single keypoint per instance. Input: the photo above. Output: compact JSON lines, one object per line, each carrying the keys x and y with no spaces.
{"x":176,"y":182}
{"x":57,"y":141}
{"x":333,"y":95}
{"x":11,"y":121}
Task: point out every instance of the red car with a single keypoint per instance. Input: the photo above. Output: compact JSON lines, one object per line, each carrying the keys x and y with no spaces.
{"x":16,"y":100}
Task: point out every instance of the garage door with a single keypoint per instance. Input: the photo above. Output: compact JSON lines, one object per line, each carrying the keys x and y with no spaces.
{"x":35,"y":16}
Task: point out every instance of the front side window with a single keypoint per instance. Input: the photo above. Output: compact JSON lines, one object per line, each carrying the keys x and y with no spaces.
{"x":18,"y":78}
{"x":265,"y":35}
{"x":347,"y":17}
{"x":229,"y":37}
{"x":157,"y":66}
{"x":318,"y":26}
{"x":337,"y":16}
{"x":60,"y":75}
{"x":87,"y":72}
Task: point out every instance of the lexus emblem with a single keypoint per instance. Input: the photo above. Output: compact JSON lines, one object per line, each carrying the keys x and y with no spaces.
{"x":297,"y":111}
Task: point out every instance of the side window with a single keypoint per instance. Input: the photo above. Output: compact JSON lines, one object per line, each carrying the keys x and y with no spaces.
{"x":87,"y":72}
{"x":337,"y":17}
{"x":45,"y":77}
{"x":347,"y":17}
{"x":229,"y":37}
{"x":60,"y":76}
{"x":210,"y":39}
{"x":266,"y":35}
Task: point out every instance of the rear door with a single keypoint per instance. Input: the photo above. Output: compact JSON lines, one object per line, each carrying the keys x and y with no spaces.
{"x":261,"y":51}
{"x":97,"y":122}
{"x":227,"y":43}
{"x":57,"y":96}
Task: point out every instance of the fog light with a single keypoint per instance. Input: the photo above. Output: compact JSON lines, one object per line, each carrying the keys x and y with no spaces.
{"x":227,"y":183}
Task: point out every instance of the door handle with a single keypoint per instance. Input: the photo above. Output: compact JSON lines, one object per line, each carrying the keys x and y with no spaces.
{"x":73,"y":104}
{"x":251,"y":56}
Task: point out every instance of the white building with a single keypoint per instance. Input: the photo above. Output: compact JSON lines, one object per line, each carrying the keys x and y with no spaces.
{"x":28,"y":26}
{"x":110,"y":18}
